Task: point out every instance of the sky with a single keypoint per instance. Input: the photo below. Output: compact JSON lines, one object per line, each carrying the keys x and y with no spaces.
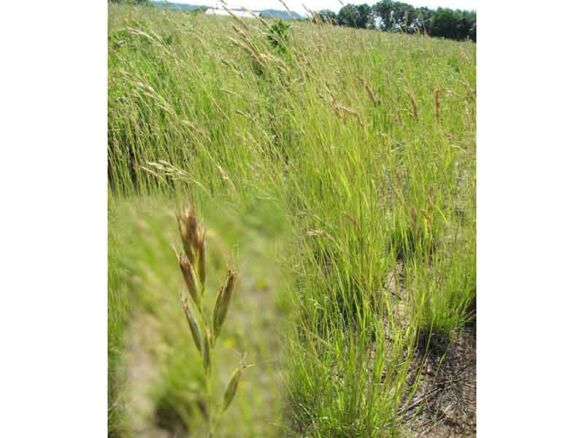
{"x":335,"y":5}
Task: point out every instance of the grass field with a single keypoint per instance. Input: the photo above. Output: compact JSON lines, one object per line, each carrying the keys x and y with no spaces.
{"x":335,"y":168}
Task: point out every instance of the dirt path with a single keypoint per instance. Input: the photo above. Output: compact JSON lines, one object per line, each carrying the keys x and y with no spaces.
{"x":141,"y":337}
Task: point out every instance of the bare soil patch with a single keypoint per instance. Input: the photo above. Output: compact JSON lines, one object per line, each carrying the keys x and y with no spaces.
{"x":445,"y":402}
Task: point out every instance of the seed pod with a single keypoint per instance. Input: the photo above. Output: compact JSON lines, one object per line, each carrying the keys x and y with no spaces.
{"x":222,"y":302}
{"x":189,"y":279}
{"x":201,"y":255}
{"x":207,"y":351}
{"x":231,"y":388}
{"x":193,"y":325}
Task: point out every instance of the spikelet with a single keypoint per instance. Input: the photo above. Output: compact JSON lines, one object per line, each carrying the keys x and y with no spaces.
{"x":193,"y":324}
{"x":375,"y":99}
{"x":187,"y":272}
{"x":191,"y":221}
{"x":187,"y":225}
{"x":207,"y":351}
{"x":182,"y":228}
{"x":201,"y":267}
{"x":414,"y":104}
{"x":437,"y":104}
{"x":231,"y":388}
{"x":222,"y":302}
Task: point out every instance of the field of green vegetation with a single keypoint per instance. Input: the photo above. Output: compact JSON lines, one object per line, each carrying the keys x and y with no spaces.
{"x":334,"y":169}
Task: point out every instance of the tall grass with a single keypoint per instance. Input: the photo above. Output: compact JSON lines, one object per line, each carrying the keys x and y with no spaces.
{"x":353,"y":149}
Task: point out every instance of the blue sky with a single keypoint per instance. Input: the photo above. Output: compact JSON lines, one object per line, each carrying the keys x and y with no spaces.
{"x":296,"y":5}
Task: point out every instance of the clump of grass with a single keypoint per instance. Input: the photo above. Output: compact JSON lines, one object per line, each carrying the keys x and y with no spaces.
{"x":205,"y":326}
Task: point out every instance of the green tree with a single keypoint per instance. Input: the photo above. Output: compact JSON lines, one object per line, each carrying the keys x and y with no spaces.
{"x":472,"y":33}
{"x":444,"y":24}
{"x":425,"y":16}
{"x":348,"y":16}
{"x":397,"y":16}
{"x":454,"y":24}
{"x":326,"y":16}
{"x":394,"y":16}
{"x":364,"y":16}
{"x":356,"y":16}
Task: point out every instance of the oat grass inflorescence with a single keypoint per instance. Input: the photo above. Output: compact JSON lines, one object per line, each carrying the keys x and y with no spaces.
{"x":205,"y":327}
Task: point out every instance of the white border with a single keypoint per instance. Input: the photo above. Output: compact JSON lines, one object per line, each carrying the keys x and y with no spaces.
{"x":53,"y":319}
{"x":530,"y":219}
{"x":53,"y":230}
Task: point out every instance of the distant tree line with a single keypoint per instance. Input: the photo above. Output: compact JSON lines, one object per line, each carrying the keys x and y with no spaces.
{"x":393,"y":16}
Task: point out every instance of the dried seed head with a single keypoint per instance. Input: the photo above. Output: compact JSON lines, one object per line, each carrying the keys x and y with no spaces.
{"x":222,"y":302}
{"x":231,"y":388}
{"x":193,"y":324}
{"x":189,"y":279}
{"x":201,"y":255}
